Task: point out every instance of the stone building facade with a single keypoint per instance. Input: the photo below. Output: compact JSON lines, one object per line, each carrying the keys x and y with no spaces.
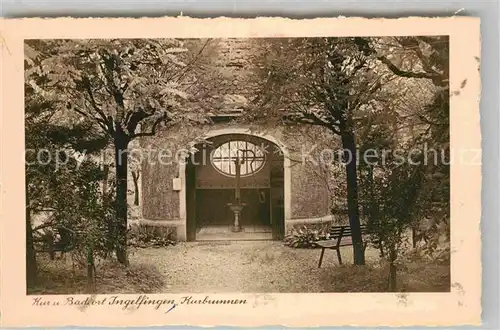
{"x":189,"y":180}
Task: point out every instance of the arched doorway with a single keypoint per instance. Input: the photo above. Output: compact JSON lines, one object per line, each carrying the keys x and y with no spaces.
{"x":230,"y":169}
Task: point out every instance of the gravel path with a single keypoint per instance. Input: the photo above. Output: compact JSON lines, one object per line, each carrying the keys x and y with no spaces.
{"x":243,"y":266}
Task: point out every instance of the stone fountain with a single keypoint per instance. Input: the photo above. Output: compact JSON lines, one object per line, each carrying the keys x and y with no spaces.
{"x":237,"y":206}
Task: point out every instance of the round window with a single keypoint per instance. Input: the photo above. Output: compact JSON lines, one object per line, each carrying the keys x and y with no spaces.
{"x":251,"y":156}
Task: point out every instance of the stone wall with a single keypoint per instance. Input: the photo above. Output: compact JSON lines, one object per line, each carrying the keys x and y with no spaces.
{"x":309,"y":185}
{"x":160,"y":166}
{"x":226,"y":84}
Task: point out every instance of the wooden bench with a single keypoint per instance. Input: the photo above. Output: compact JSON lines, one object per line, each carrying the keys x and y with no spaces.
{"x":339,"y":236}
{"x":58,"y":239}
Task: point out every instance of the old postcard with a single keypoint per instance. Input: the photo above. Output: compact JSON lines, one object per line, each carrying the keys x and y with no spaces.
{"x":247,"y":172}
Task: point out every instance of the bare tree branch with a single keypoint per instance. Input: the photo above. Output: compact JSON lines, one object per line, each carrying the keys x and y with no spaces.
{"x":153,"y":128}
{"x":311,"y":119}
{"x":103,"y":125}
{"x":132,"y":119}
{"x":86,"y":83}
{"x":181,"y":74}
{"x":406,"y":74}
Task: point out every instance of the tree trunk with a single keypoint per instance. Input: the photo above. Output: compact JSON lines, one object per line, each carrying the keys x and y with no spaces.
{"x":111,"y":222}
{"x":105,"y":169}
{"x":392,"y":269}
{"x":373,"y":213}
{"x":381,"y":249}
{"x":90,"y":271}
{"x":414,"y":237}
{"x":135,"y":176}
{"x":121,"y":159}
{"x":31,"y":266}
{"x":349,"y":145}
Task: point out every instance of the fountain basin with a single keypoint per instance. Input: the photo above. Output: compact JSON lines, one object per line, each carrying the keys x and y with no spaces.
{"x":236,"y":208}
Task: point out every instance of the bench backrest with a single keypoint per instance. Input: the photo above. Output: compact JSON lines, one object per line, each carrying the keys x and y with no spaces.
{"x":345,"y":231}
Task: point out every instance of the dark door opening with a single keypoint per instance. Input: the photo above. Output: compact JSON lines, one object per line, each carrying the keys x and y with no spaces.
{"x":212,"y":207}
{"x":209,"y":190}
{"x":190,"y":201}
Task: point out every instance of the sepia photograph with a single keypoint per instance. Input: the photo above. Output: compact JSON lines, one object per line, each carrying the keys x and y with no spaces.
{"x":242,"y":172}
{"x":237,"y":165}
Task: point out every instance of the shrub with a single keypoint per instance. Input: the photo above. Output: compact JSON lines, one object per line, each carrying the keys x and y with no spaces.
{"x":305,"y":236}
{"x":143,"y":235}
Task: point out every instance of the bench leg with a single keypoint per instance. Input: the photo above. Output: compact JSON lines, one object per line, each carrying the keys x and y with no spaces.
{"x":321,"y":257}
{"x":339,"y":256}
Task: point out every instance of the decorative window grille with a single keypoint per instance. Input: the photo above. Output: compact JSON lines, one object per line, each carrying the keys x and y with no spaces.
{"x":224,"y":158}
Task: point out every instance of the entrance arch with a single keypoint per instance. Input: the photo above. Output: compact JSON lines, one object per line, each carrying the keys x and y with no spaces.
{"x":188,"y":205}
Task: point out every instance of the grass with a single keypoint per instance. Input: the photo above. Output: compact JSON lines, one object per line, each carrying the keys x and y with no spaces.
{"x":60,"y":277}
{"x":412,"y":277}
{"x":253,"y":266}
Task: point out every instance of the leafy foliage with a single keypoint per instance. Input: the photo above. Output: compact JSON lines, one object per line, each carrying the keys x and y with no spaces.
{"x":316,"y":81}
{"x":141,"y":235}
{"x":125,"y":82}
{"x":63,"y":185}
{"x":124,"y":87}
{"x":323,"y":82}
{"x":399,"y":193}
{"x":305,"y":236}
{"x":372,"y":93}
{"x":376,"y":94}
